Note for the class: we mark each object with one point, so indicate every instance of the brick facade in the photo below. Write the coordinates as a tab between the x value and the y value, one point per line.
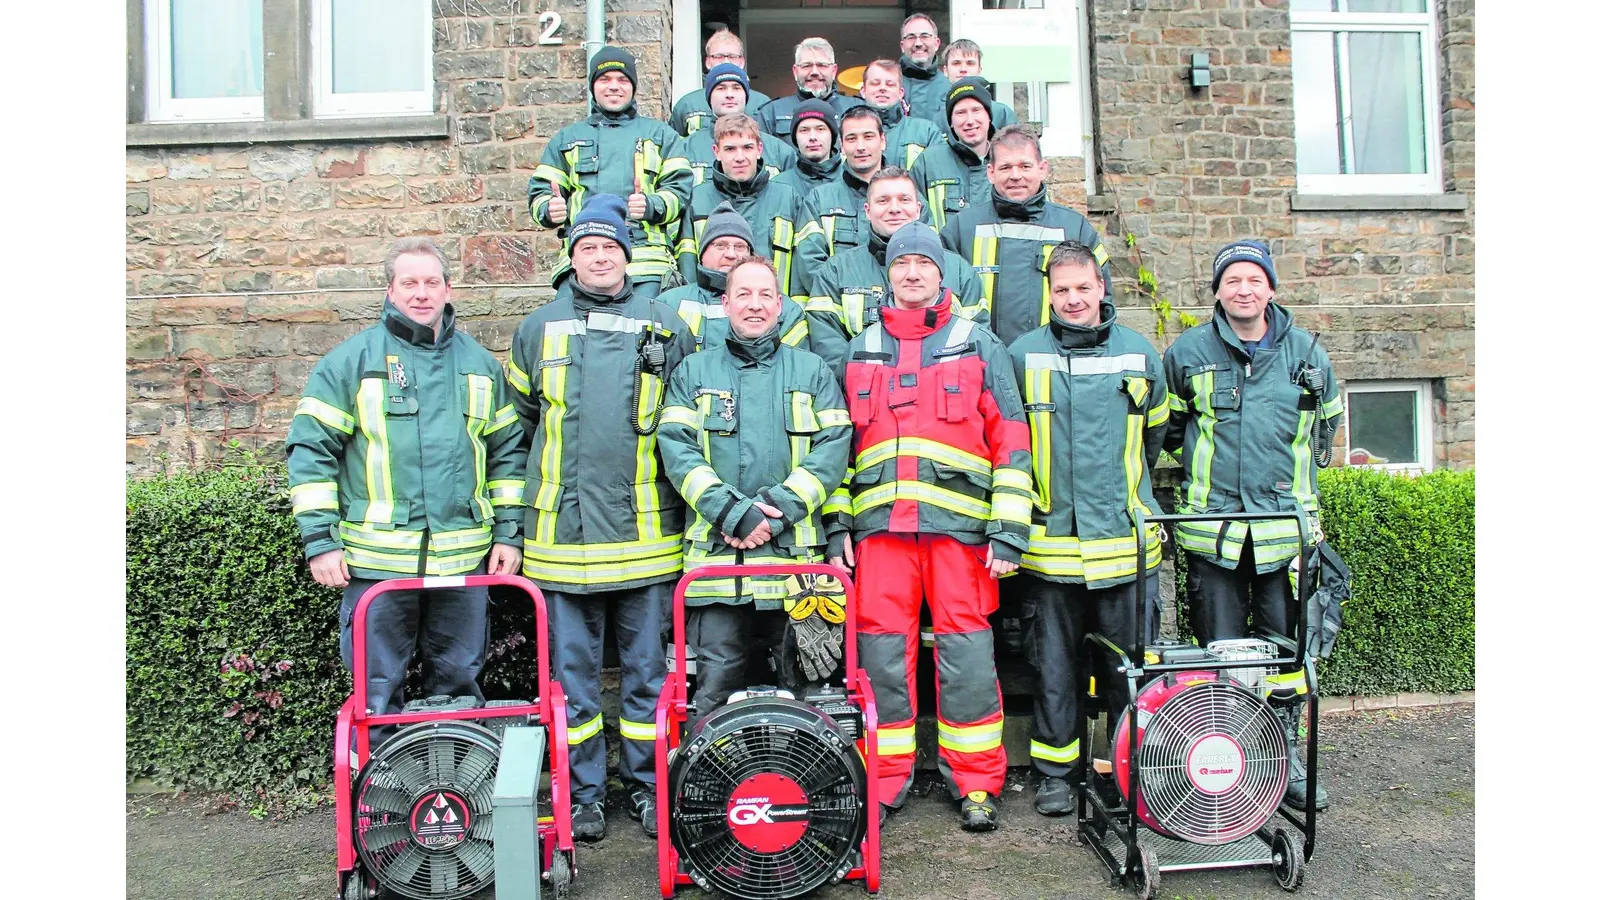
245	264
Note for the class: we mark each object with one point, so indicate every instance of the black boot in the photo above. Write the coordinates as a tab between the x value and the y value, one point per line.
1295	796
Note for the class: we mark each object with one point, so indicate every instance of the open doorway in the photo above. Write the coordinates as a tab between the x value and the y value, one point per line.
858	34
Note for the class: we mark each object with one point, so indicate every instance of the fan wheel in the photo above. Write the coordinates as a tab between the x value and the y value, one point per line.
560	875
768	800
1288	860
355	887
424	811
1147	877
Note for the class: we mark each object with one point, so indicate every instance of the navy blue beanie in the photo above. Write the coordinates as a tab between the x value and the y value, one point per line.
726	72
604	215
1243	251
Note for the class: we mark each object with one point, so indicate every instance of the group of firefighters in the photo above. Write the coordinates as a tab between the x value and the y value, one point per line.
892	353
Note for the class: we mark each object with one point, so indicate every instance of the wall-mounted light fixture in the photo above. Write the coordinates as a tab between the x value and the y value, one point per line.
1200	71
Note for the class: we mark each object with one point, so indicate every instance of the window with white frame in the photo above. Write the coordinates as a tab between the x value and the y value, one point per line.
1366	96
205	60
1389	425
372	57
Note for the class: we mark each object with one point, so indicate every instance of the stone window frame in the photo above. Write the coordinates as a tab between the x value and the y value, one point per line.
1422	412
1426	25
288	88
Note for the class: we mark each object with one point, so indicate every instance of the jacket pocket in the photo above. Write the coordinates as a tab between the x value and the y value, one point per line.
399	514
980	480
1225	390
654	496
957	388
719	412
1137	387
543	495
862	396
800	414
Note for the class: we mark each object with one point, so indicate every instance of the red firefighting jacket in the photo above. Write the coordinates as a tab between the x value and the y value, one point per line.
941	441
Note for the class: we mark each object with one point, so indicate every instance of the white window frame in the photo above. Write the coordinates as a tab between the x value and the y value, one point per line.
1426	26
325	104
161	105
1422	393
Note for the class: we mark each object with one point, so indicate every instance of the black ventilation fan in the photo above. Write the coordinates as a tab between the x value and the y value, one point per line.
768	800
424	811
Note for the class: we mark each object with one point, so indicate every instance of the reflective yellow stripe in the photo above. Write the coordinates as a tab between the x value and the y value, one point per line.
355	533
1157	415
923	448
480	393
1295	681
700	479
822	304
314	495
1300	455
971	738
838	502
547	173
1037	388
680	415
1044	291
1016	508
796	334
646	496
1176	403
1066	754
1014	479
606	552
897	741
1205	445
921	493
637	731
577	734
506	491
807	487
518	378
535	566
326	413
553	385
832	418
984	252
380	484
783	242
504	417
759	587
1100	254
1133	462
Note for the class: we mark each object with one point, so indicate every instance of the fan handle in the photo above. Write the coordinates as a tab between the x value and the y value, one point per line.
363	719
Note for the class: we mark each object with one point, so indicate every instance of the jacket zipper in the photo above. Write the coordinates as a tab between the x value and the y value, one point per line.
422	491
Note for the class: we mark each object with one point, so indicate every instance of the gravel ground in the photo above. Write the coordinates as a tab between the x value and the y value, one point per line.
1401	825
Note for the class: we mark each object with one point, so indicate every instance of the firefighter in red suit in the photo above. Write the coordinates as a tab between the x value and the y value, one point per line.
936	506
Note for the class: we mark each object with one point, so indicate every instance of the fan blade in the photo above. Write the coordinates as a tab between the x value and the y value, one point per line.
386	800
442	876
404	867
482	827
442	761
382	837
478	857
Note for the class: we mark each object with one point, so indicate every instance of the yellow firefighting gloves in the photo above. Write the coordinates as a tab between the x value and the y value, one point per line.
816	615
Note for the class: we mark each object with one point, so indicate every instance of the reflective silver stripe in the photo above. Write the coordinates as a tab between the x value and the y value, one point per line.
1021	231
1086	365
959	332
715	311
564	326
604	321
874	341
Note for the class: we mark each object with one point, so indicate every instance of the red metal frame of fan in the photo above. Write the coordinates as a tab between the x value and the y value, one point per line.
672	714
353	728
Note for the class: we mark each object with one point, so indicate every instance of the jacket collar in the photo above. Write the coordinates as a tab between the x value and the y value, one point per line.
914	70
855	184
755	350
1279	321
1077	337
711	279
910	324
399	325
598	116
819	171
732	188
877	245
584	300
1027	210
968	156
891	116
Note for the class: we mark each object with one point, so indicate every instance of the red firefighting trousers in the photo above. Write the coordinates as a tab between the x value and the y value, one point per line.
894	573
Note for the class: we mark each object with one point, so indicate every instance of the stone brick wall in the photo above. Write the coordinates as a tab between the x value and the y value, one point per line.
245	264
1185	171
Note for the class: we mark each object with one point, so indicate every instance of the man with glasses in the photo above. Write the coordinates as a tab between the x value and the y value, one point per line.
692	111
814	73
925	85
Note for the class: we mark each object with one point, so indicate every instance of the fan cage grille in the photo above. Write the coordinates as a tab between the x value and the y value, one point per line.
816	756
457	756
1170	735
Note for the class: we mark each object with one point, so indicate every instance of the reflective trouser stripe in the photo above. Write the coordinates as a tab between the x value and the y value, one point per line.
971	738
577	734
637	731
1067	754
897	741
1288	681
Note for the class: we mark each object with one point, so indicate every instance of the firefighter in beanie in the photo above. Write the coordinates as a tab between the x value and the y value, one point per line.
1096	398
726	89
936	510
755	436
1255	408
604	528
725	241
950	176
369	509
616	151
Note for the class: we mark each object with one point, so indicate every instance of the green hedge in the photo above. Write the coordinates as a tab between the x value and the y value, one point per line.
233	672
233	676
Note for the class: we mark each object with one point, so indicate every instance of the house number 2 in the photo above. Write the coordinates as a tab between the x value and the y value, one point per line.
550	21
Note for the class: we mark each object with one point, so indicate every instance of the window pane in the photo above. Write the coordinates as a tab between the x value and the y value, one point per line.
378	46
1386	104
216	48
1013	4
1316	103
1383	427
1381	6
1310	6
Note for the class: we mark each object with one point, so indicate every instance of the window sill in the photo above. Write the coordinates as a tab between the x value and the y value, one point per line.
188	134
1367	202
